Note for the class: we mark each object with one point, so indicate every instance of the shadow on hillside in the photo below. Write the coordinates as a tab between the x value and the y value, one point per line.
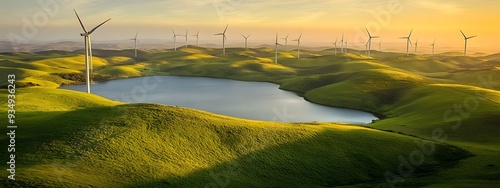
322	160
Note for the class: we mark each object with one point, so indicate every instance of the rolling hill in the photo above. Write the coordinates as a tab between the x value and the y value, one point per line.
156	145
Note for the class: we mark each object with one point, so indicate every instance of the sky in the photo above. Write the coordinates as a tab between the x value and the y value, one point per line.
321	22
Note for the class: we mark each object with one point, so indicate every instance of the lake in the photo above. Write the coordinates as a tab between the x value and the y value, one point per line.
249	100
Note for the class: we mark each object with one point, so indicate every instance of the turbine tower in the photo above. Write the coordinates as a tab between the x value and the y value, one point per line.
408	41
433	45
175	39
298	46
223	34
88	49
276	44
286	41
379	46
466	38
197	35
135	43
246	39
370	37
335	45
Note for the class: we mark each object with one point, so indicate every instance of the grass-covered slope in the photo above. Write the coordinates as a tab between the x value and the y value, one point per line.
80	140
415	95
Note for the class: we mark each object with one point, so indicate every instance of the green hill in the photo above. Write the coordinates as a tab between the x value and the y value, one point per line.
77	139
72	134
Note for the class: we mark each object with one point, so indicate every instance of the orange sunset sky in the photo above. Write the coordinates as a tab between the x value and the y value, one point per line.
322	22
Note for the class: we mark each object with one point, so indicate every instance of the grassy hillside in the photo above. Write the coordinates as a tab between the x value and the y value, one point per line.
81	140
414	95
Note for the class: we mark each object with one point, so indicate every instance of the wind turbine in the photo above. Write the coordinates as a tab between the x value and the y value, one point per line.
276	49
408	41
246	38
379	46
416	46
466	38
135	43
186	35
342	44
88	49
335	45
298	45
286	41
175	39
223	39
370	37
433	44
346	45
197	35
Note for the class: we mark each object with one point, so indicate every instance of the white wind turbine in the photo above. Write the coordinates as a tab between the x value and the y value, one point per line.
197	35
346	45
466	38
433	45
88	49
135	43
342	44
298	45
286	41
246	39
370	37
408	42
416	46
186	35
335	45
223	40
175	39
276	44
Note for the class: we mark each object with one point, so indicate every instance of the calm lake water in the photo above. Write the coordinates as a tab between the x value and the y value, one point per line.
249	100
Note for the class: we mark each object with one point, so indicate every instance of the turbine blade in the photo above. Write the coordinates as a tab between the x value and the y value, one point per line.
226	28
136	35
410	33
463	33
472	37
368	32
91	31
83	27
300	36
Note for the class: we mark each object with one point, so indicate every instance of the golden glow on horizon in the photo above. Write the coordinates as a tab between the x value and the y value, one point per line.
321	22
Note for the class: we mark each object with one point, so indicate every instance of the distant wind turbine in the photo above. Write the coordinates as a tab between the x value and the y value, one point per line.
286	41
335	45
175	39
433	45
223	34
298	46
135	43
342	44
379	46
197	35
246	39
370	37
408	42
276	49
466	38
345	45
186	35
416	46
88	49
